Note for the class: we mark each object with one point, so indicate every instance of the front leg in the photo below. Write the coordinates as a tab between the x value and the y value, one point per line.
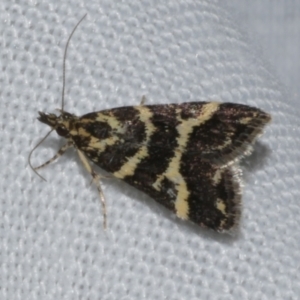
96	179
60	152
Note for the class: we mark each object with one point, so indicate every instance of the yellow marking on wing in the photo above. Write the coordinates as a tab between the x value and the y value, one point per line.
111	120
182	206
101	145
130	166
172	173
82	132
207	111
221	206
217	177
96	143
246	120
158	181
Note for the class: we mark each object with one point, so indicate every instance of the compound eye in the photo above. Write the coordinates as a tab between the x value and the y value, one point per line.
62	131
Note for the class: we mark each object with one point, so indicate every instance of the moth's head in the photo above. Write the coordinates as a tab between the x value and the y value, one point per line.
61	123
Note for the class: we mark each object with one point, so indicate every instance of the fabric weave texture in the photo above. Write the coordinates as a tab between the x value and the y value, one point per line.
53	245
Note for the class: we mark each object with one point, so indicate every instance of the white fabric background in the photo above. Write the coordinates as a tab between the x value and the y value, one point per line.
52	243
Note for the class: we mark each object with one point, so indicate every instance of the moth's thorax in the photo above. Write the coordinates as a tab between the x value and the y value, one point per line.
62	124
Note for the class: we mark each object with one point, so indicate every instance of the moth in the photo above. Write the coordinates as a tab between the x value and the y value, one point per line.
185	156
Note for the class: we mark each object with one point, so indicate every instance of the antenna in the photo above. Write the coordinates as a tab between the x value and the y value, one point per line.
64	64
62	97
29	156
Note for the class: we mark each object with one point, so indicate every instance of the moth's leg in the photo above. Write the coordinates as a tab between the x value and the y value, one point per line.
96	178
103	177
143	100
60	152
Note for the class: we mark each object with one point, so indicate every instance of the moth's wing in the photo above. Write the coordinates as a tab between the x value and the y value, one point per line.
198	191
121	139
218	132
225	131
177	154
